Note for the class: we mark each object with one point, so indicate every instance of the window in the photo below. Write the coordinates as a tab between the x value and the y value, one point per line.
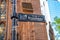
3	10
26	0
2	16
1	31
27	7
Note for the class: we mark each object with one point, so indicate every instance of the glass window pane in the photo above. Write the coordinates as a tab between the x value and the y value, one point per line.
3	10
27	7
2	16
1	31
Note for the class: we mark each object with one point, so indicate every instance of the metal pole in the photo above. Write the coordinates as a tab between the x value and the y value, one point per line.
14	21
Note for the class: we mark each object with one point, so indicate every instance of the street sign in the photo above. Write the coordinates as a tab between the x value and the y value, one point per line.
36	18
31	17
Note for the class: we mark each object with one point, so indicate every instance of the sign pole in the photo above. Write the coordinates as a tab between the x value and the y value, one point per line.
14	20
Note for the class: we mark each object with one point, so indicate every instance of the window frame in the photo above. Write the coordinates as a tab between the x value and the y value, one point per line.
27	7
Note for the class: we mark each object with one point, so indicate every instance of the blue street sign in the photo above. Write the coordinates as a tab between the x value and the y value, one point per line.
31	17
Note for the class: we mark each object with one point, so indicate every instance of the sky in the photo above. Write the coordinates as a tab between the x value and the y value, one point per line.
54	9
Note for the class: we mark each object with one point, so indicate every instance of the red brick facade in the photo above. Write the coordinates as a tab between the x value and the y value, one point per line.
26	30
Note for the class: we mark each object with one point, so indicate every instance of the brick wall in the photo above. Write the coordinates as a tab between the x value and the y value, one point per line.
26	30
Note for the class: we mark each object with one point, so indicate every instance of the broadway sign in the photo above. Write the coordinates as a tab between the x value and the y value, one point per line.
31	17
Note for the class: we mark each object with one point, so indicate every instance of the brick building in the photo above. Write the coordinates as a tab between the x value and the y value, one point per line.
25	30
46	13
51	33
